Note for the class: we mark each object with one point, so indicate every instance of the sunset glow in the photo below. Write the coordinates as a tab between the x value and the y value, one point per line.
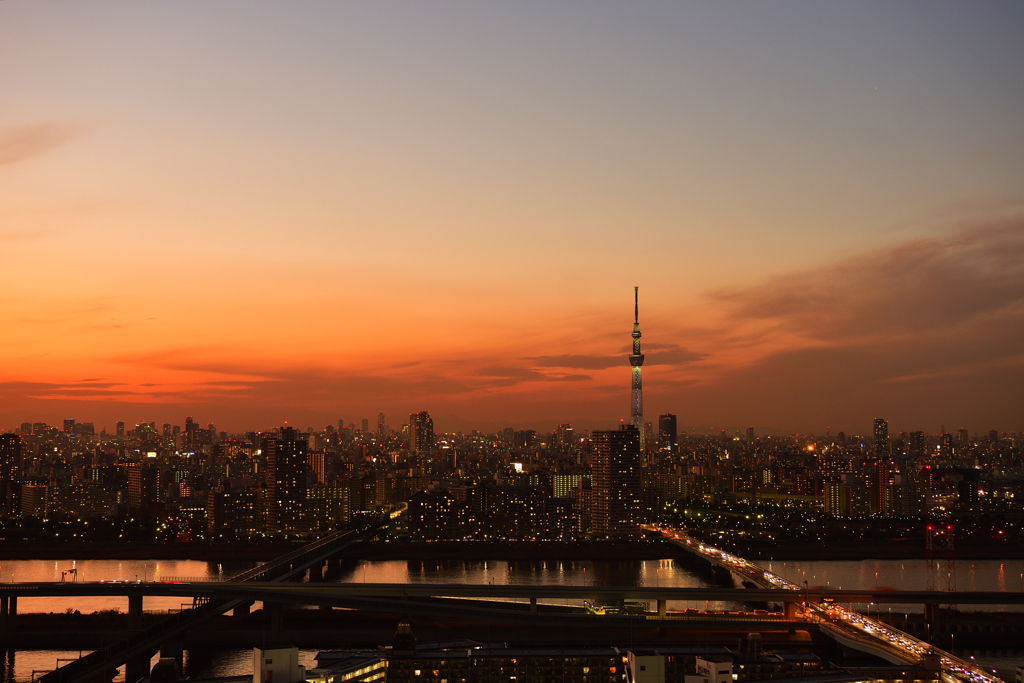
252	213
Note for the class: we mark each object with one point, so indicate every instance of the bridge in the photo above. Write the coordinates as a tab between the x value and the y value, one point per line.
168	634
847	626
327	594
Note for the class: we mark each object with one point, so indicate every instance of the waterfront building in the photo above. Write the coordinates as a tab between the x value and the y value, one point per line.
143	486
286	483
10	466
617	483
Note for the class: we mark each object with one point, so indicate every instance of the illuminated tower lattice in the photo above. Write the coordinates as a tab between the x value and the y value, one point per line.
636	359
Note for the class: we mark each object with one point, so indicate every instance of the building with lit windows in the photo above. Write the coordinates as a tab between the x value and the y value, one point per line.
668	432
421	432
881	438
10	467
617	482
286	483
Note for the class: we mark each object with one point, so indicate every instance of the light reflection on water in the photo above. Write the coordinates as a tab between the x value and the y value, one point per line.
909	574
965	575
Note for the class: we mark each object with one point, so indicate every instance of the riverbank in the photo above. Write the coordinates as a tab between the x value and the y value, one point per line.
655	549
244	551
646	549
897	549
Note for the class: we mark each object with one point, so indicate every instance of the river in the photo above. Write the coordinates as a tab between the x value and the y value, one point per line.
18	666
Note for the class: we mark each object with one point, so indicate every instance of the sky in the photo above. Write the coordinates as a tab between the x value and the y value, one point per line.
257	212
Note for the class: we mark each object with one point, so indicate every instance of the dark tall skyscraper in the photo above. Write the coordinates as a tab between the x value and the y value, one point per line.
287	463
10	465
380	426
120	430
668	432
421	432
916	446
636	360
69	425
366	425
881	439
617	484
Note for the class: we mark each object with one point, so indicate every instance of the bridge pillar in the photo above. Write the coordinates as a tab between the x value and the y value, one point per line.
137	668
135	615
931	620
662	607
275	613
242	609
12	612
4	624
175	647
790	609
533	604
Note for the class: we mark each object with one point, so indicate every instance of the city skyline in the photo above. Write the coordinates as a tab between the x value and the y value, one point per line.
263	216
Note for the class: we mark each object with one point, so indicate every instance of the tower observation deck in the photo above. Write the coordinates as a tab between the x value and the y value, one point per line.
636	360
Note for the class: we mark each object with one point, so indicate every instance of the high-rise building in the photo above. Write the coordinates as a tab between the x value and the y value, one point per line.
380	426
964	440
617	483
318	463
750	433
143	486
916	445
69	425
120	430
647	438
366	425
668	432
881	438
421	432
286	482
636	360
10	466
880	481
565	437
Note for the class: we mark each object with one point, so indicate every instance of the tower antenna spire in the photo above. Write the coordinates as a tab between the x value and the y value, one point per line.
636	360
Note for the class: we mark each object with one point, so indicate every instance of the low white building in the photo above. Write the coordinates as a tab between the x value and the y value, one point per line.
277	665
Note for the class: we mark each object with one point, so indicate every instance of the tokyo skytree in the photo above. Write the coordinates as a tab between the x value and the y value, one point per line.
636	359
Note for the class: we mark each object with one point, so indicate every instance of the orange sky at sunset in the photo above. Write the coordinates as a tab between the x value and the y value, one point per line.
252	213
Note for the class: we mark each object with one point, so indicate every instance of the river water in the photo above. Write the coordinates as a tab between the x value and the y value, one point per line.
910	574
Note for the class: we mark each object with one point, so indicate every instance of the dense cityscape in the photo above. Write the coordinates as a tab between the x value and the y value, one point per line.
193	483
316	363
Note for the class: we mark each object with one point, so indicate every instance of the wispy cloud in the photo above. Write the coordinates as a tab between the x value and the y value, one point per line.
20	143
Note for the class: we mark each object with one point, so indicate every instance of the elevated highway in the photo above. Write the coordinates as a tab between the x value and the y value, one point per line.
847	626
325	593
135	652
